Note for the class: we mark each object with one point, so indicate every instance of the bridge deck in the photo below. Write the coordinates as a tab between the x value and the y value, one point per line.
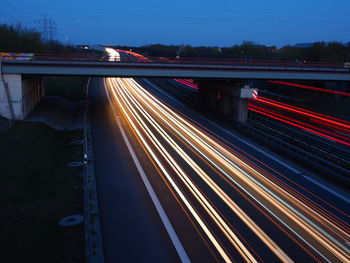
177	70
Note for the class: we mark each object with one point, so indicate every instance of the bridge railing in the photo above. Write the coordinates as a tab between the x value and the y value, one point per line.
252	62
220	64
9	56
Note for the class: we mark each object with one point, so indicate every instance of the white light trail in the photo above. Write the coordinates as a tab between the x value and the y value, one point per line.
159	129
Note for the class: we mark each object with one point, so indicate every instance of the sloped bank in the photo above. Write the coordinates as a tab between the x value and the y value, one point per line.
37	190
37	187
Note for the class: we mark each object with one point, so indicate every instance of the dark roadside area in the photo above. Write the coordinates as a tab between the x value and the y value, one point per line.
37	189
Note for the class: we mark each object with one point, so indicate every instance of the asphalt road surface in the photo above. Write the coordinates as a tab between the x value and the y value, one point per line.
226	199
131	228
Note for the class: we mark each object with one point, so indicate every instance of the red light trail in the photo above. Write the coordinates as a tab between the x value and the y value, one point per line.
188	82
323	125
329	121
347	94
300	124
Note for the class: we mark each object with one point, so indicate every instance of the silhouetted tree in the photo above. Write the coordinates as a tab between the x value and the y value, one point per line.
16	38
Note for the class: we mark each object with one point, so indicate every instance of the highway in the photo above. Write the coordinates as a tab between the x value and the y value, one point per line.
131	229
226	199
325	126
306	135
197	168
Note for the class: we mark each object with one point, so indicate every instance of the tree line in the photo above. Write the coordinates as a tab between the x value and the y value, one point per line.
19	39
318	52
16	38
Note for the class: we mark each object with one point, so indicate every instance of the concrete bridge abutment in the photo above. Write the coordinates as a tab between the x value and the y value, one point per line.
227	98
19	94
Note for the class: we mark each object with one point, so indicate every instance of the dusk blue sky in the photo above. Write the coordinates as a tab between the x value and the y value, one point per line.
194	22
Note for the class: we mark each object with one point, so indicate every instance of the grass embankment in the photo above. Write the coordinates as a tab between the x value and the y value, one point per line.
37	189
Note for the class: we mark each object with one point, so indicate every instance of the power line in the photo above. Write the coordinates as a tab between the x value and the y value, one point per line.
47	27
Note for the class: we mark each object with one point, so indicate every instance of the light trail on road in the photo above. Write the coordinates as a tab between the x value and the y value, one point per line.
322	125
187	82
138	57
341	93
113	55
330	121
204	173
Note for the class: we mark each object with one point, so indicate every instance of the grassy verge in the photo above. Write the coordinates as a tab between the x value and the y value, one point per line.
37	190
69	88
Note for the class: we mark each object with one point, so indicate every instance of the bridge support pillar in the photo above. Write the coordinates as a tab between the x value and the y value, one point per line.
207	94
227	98
19	94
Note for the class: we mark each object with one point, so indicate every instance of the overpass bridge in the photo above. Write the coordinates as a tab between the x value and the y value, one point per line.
202	69
21	86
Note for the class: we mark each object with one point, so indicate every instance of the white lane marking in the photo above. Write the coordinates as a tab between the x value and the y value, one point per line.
236	136
169	228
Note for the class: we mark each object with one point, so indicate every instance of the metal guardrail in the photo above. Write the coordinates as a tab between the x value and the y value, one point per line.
302	154
324	167
330	149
